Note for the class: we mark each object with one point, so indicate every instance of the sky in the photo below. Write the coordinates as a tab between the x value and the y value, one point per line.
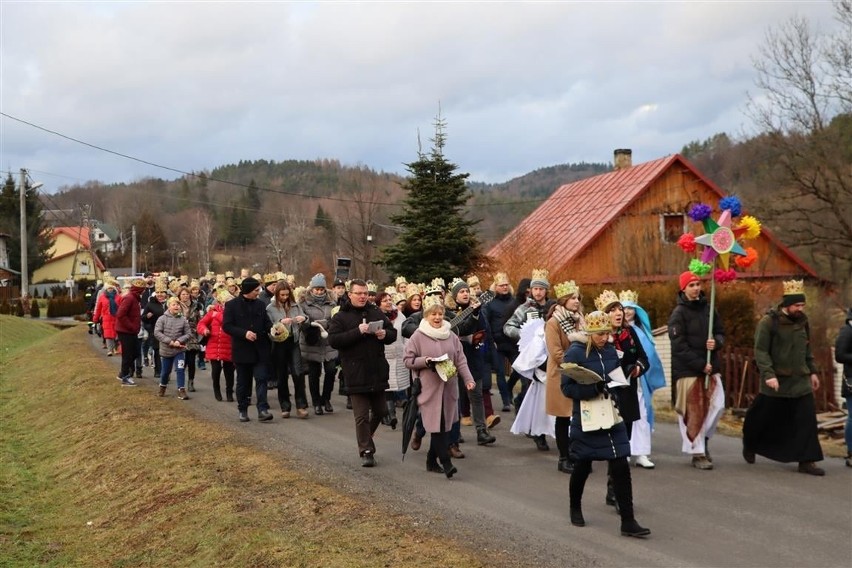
520	85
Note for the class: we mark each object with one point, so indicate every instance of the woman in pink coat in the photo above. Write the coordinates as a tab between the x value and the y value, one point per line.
105	310
438	401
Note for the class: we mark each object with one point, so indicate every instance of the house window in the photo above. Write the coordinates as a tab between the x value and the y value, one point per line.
672	226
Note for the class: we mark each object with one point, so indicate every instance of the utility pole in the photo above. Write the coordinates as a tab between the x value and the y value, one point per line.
133	250
25	277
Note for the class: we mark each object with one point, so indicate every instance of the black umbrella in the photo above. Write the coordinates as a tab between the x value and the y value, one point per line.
409	414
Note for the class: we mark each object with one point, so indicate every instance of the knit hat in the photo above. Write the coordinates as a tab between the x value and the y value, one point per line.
318	281
249	285
457	285
539	278
794	293
686	278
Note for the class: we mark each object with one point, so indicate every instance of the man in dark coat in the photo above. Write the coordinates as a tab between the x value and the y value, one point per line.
781	423
698	408
361	349
246	321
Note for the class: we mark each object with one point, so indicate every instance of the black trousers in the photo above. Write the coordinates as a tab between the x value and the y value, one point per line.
129	349
619	469
287	361
216	369
369	408
315	368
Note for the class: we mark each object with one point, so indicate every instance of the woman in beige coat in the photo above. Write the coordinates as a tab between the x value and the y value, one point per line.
564	325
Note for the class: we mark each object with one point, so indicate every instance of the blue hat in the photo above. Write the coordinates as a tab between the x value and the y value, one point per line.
318	281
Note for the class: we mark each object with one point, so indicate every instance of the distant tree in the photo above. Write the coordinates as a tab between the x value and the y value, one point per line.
253	197
438	238
39	239
151	242
239	227
805	109
323	220
203	192
185	195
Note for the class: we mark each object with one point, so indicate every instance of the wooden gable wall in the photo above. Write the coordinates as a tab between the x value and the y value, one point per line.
632	247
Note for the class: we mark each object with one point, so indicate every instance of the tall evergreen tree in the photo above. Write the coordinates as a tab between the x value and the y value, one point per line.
203	193
253	198
438	238
38	237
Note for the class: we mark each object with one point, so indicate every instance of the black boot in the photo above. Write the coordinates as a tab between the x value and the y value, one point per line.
191	385
483	438
432	462
577	517
541	443
392	421
623	487
565	465
449	469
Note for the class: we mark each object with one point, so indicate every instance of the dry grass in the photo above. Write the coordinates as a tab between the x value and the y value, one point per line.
96	475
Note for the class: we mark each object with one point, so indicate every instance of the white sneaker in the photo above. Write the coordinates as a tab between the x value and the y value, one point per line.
643	461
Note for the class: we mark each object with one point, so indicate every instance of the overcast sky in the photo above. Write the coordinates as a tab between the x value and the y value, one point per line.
521	85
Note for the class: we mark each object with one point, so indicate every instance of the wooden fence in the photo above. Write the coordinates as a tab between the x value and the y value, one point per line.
741	378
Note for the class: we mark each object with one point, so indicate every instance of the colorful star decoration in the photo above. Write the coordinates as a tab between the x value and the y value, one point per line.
720	239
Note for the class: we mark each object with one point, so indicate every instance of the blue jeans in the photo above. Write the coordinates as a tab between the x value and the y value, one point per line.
245	372
179	364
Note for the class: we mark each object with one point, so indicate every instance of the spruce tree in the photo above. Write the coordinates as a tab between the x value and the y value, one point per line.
39	239
438	238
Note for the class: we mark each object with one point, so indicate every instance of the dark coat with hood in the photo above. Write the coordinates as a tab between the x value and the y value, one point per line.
599	444
362	355
843	354
495	313
242	315
782	350
689	324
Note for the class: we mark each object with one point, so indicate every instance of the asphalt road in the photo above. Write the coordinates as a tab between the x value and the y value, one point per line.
510	498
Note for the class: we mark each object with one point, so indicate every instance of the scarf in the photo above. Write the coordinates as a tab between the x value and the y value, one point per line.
567	320
113	305
437	334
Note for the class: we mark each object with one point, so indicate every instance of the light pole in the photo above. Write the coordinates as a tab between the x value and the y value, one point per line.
25	277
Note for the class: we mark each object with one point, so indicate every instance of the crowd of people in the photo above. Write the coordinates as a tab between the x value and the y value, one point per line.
584	380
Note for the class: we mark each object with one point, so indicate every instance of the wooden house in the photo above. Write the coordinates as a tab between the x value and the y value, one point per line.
624	226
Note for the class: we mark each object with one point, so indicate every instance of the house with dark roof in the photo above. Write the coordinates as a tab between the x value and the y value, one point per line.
71	257
624	226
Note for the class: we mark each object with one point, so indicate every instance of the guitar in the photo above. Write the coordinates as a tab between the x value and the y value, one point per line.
486	297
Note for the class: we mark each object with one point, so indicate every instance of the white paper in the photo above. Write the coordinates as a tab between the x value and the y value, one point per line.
375	326
443	357
618	378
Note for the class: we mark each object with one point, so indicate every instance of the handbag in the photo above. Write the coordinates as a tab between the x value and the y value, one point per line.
598	413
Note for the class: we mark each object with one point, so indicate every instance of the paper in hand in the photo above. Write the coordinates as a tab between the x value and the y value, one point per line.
618	378
375	326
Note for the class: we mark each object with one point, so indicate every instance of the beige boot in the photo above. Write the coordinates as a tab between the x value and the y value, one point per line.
182	394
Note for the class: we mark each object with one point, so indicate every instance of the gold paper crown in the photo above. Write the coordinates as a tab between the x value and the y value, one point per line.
501	278
229	274
372	287
597	321
628	296
348	285
457	281
280	276
161	285
256	276
138	283
298	293
194	284
567	288
397	297
174	286
390	290
210	274
431	301
223	296
269	278
437	283
794	287
473	280
220	278
540	274
606	298
184	278
400	280
412	290
290	279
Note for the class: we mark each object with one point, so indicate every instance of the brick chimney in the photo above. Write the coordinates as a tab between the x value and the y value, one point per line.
623	158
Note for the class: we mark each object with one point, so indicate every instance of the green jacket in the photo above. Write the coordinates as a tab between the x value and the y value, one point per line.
789	359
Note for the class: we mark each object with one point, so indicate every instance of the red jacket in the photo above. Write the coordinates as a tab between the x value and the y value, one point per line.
219	344
128	318
102	315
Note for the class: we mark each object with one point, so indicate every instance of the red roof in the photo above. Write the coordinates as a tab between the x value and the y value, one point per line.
74	232
577	213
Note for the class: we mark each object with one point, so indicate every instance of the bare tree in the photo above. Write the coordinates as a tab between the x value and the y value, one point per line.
204	238
358	228
804	109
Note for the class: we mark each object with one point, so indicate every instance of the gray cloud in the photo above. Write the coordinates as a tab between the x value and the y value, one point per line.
521	85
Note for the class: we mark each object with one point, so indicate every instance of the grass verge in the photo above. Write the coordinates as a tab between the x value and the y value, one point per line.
95	475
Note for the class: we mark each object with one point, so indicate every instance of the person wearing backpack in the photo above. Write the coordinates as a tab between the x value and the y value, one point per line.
781	423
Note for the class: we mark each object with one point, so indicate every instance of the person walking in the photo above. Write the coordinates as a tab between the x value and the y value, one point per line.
246	321
172	331
843	355
697	392
128	322
781	422
359	333
435	355
321	358
218	350
286	357
152	311
106	307
598	441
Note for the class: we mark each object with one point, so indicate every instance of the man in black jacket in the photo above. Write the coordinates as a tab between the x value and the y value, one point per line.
361	349
246	321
